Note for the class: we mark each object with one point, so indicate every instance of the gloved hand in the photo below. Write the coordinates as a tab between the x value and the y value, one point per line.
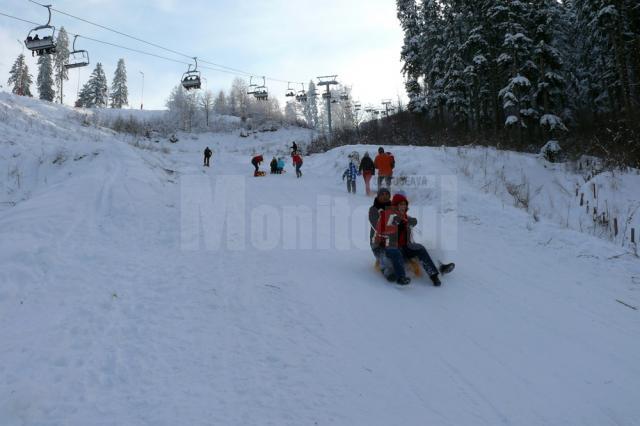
412	221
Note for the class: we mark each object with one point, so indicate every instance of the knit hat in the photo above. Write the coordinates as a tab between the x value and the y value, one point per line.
399	198
383	191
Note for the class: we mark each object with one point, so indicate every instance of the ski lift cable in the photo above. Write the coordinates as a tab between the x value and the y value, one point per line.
123	47
152	44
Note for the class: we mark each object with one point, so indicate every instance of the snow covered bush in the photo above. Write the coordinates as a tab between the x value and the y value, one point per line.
551	151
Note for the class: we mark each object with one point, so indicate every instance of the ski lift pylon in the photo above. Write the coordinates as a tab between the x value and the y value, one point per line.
46	44
191	78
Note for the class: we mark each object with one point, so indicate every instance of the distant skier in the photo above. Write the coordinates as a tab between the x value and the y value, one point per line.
294	148
351	173
256	161
207	156
368	170
297	163
384	163
393	232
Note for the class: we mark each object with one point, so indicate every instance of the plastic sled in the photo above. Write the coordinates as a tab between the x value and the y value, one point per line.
412	265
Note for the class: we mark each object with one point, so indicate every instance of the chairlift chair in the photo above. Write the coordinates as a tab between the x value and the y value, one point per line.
77	58
261	92
344	96
326	95
290	92
251	90
301	96
46	44
191	78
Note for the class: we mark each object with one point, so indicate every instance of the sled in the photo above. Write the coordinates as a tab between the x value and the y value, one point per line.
261	173
412	265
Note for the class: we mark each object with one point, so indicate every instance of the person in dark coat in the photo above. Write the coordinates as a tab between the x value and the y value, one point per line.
207	156
274	166
368	170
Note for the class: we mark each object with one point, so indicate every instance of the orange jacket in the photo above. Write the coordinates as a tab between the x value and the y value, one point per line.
384	164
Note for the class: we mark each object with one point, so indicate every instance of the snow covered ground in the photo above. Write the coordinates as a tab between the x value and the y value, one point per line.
112	314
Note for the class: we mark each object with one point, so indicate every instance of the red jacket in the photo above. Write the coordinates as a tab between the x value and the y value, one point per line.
257	159
297	160
393	228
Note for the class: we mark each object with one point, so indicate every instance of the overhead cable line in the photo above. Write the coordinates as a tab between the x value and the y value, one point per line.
142	52
236	70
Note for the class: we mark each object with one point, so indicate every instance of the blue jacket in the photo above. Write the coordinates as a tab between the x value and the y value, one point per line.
351	173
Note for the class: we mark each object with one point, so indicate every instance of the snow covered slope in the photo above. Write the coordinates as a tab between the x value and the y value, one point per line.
107	316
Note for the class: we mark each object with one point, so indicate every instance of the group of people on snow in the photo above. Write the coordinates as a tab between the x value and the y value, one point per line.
391	239
277	164
391	226
384	163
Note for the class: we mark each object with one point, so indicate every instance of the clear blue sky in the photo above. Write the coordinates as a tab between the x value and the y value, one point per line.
359	40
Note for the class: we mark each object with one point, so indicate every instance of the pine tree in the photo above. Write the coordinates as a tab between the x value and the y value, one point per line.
220	104
515	60
290	112
119	93
94	93
433	61
19	77
548	80
310	109
410	54
45	78
61	58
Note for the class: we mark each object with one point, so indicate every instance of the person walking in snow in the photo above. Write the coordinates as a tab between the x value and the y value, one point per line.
351	173
297	163
393	232
281	165
384	163
207	155
274	166
367	169
256	161
294	148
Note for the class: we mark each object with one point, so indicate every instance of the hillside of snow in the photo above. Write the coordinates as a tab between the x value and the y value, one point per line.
139	288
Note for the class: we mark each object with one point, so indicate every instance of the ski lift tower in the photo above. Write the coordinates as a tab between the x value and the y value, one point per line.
328	81
386	103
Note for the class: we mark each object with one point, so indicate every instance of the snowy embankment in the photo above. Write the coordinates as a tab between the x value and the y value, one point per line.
572	195
107	317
